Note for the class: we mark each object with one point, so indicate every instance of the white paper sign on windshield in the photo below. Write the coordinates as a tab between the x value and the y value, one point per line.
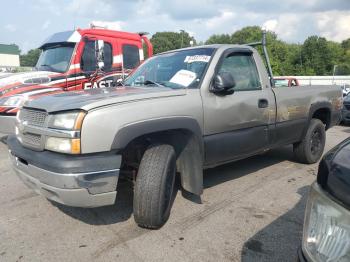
197	58
183	77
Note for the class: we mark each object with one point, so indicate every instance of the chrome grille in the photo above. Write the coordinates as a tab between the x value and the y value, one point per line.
31	140
30	118
33	117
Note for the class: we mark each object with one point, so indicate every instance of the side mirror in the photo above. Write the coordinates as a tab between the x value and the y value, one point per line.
99	49
223	84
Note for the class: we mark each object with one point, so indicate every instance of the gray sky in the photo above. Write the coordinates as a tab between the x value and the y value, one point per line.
28	23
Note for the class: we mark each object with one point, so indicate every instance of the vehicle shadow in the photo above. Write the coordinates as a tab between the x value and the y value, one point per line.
123	208
121	211
234	170
280	240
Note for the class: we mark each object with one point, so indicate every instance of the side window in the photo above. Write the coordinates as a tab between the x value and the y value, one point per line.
131	56
108	57
88	59
243	69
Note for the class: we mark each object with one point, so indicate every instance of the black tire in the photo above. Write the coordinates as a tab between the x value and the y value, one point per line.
310	149
155	186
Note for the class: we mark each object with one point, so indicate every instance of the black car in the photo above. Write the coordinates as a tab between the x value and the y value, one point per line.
326	235
346	110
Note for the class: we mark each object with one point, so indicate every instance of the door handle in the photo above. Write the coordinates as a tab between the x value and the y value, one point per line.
263	103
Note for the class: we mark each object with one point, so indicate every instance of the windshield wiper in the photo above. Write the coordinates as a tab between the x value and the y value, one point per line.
150	82
49	67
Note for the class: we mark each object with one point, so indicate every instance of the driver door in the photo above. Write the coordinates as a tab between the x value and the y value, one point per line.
236	125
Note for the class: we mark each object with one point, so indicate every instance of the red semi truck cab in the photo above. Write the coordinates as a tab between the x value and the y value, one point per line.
70	61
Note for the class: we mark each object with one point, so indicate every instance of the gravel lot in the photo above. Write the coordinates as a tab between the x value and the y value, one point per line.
251	210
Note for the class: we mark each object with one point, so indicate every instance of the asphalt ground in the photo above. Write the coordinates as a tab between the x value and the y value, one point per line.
251	210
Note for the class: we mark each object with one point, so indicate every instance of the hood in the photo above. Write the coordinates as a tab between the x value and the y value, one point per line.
90	99
21	83
3	75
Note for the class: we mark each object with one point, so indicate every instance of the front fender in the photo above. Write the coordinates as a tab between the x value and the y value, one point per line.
131	131
184	133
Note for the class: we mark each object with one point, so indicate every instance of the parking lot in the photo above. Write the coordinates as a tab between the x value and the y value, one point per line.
251	210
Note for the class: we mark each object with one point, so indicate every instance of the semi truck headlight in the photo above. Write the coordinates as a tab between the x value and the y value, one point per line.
68	121
63	145
326	228
14	101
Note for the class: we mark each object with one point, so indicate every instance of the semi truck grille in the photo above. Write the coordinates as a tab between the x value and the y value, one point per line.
31	140
33	117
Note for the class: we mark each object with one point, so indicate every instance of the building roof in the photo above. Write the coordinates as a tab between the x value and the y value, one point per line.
9	49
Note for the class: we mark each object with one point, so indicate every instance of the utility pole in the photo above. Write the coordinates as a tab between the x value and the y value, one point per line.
334	68
182	37
301	59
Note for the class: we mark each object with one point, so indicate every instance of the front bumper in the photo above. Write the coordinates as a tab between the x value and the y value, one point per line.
80	181
7	124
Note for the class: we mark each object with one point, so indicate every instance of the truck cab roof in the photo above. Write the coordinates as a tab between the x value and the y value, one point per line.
213	46
74	36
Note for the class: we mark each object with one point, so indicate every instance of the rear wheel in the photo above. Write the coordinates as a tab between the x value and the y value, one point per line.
310	149
155	186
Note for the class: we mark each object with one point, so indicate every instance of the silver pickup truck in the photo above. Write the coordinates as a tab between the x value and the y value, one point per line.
180	112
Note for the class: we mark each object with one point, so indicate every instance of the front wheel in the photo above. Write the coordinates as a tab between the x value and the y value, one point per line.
310	149
154	186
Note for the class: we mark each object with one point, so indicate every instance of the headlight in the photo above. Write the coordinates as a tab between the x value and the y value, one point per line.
14	101
63	145
69	121
326	228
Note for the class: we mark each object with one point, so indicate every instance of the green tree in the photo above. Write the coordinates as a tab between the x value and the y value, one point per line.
344	63
251	34
164	41
342	69
281	54
30	58
318	56
346	44
219	39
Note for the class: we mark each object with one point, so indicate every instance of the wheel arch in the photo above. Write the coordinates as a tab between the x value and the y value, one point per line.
183	133
321	111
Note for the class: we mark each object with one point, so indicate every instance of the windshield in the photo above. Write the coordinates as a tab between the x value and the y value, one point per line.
55	58
178	69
